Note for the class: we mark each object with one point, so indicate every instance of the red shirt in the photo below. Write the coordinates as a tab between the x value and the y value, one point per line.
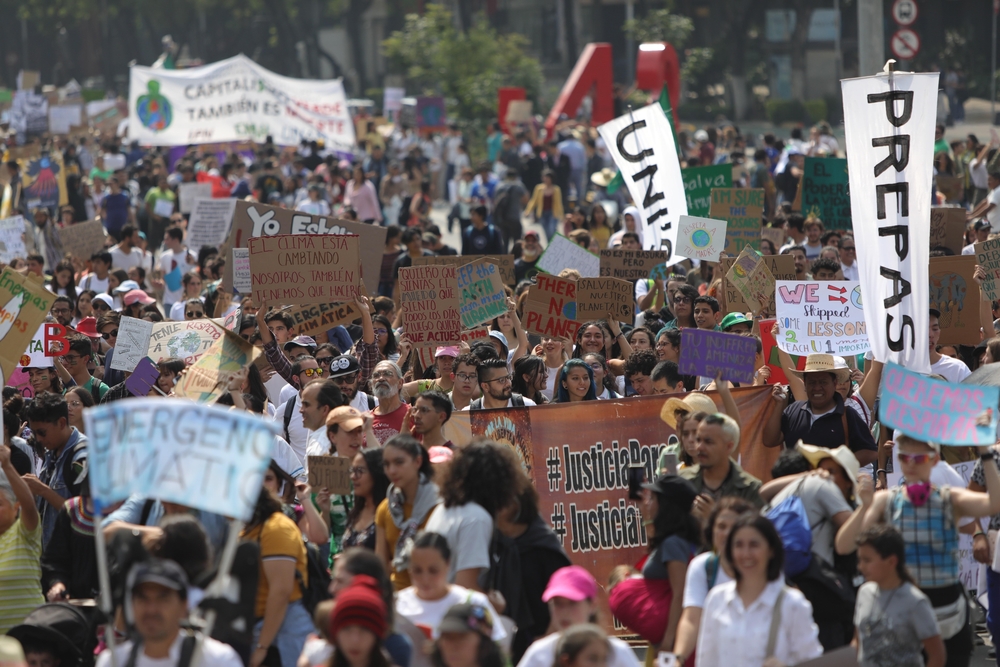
386	426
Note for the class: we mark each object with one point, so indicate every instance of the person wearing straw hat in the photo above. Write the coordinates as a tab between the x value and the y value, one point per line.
822	419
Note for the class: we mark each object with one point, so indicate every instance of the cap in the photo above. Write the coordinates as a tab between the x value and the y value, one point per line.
573	583
693	402
300	341
448	351
701	135
345	416
733	319
88	327
500	337
466	617
160	571
106	299
439	454
936	313
675	489
430	238
137	296
126	286
345	364
533	235
982	224
360	604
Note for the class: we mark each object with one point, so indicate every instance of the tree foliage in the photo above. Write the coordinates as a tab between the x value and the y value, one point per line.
660	25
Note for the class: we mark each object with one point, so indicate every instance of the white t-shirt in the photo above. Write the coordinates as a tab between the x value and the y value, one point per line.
360	401
91	281
298	434
317	444
969	249
550	382
427	614
952	370
696	580
542	653
510	403
978	174
469	530
170	261
213	653
994	215
177	310
121	260
850	272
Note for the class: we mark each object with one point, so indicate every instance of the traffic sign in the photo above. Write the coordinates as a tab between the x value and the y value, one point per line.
905	44
904	12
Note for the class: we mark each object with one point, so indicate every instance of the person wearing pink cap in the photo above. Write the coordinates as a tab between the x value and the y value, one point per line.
134	301
571	596
444	361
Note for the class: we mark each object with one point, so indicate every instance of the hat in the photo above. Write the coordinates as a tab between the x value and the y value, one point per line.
58	625
345	364
573	583
701	135
106	299
733	319
534	234
842	455
88	327
982	224
430	238
466	617
826	363
603	177
936	313
137	296
160	571
500	337
693	402
301	341
11	653
126	286
346	416
360	604
447	351
675	489
439	454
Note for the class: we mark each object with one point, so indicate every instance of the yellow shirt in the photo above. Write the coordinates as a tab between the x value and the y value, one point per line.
281	540
383	520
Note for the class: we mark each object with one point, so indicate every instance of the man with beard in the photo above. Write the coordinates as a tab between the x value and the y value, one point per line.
531	250
387	380
345	372
495	382
62	310
798	252
429	413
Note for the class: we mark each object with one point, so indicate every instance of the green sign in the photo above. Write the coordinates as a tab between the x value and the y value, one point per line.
825	193
698	184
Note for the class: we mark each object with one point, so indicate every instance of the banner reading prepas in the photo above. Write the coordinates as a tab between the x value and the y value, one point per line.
642	145
206	457
821	317
889	122
235	100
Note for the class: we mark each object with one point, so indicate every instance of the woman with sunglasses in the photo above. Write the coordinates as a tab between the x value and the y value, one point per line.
194	309
191	285
683	307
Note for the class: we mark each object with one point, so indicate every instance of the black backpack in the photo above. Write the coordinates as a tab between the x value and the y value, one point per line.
289	411
403	218
319	579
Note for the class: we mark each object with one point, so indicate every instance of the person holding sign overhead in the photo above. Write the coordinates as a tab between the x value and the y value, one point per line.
20	546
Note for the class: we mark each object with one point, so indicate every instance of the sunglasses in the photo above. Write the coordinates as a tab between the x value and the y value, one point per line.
100	305
847	247
195	313
73	358
682	299
311	372
324	361
111	334
916	459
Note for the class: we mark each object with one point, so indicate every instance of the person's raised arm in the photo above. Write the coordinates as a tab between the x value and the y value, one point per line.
522	338
868	391
795	383
649	297
772	435
728	403
363	304
985	305
29	512
63	374
616	331
971	503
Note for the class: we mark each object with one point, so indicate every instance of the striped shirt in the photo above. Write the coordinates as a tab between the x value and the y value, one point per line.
20	574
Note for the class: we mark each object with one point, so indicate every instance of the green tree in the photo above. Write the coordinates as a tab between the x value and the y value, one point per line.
660	25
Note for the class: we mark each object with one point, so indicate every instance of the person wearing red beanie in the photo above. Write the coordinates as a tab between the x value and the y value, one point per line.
358	624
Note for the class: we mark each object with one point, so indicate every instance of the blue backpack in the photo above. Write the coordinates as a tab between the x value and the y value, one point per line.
792	523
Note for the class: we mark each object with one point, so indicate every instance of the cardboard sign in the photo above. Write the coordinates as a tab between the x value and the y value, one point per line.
431	114
550	308
189	193
775	235
329	472
519	111
24	304
988	257
742	209
208	378
825	193
206	457
707	353
143	378
631	264
938	411
305	268
254	220
702	239
83	239
183	340
699	183
49	341
322	317
482	294
752	279
952	187
952	290
470	336
242	282
782	267
504	262
948	228
209	223
562	253
597	298
430	302
12	239
821	317
132	343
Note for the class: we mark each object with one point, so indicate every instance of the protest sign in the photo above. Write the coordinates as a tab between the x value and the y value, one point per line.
938	411
242	282
143	378
132	343
519	111
322	317
631	264
164	208
207	379
254	220
504	262
550	307
742	209
598	298
707	353
642	145
770	351
782	267
392	99
49	341
821	317
12	239
431	114
892	198
561	253
430	303
752	279
305	268
184	340
83	239
470	336
775	235
699	183
206	457
235	100
209	223
952	187
189	193
952	290
482	294
701	238
62	118
988	257
948	228
24	304
824	192
330	473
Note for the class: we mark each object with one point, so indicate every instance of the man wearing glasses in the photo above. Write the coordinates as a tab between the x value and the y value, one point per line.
72	368
387	381
495	381
849	259
62	310
465	375
289	415
107	326
345	371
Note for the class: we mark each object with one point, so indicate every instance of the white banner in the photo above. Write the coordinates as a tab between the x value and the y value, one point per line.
889	122
642	146
820	317
235	100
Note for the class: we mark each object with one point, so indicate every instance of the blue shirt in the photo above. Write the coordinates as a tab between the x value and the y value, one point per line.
215	525
116	207
52	476
485	241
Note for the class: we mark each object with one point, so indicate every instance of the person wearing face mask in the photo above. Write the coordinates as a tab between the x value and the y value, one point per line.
531	251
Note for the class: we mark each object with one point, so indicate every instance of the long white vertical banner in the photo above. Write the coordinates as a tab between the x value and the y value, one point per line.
889	120
642	146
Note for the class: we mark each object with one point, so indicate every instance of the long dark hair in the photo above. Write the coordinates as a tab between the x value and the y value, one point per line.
255	384
483	472
762	525
391	347
562	394
609	380
488	655
380	483
412	447
71	286
267	504
531	366
672	519
887	541
605	329
76	301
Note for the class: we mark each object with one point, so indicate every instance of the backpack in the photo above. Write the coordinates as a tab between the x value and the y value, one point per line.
68	475
319	579
792	523
289	411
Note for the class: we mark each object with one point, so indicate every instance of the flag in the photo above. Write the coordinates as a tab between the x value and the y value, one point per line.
618	181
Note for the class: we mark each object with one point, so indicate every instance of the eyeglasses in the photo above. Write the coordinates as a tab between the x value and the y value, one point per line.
503	379
73	358
916	459
346	379
57	311
310	372
466	377
195	313
100	305
846	248
596	367
381	332
682	299
324	361
112	334
74	404
357	471
383	375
